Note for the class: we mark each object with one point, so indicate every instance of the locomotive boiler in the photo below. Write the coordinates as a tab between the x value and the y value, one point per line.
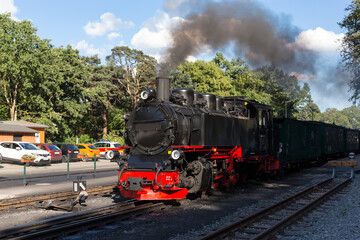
183	142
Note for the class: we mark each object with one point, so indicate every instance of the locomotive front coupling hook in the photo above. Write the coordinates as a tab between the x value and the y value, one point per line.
159	169
123	184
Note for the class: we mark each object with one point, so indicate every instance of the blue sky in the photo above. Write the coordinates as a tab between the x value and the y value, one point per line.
95	27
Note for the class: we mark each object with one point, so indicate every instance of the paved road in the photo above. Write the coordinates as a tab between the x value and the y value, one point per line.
50	179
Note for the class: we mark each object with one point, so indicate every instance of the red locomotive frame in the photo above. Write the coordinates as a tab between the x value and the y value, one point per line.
162	185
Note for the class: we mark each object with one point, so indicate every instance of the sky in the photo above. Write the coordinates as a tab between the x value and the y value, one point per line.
95	27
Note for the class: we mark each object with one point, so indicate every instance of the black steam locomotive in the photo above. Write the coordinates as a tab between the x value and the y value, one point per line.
187	142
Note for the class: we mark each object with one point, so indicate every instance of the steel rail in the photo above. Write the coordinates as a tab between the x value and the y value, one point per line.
266	231
31	200
74	222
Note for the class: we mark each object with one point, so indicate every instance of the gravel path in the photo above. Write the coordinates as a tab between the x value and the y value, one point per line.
341	221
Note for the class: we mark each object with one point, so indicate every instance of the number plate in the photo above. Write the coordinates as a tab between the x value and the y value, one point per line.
76	151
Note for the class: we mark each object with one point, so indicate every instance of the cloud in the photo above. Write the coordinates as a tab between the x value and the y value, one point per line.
303	77
9	7
89	48
112	36
155	37
173	5
319	40
108	23
191	59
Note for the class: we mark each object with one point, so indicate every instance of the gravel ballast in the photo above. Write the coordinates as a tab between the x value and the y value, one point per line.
194	218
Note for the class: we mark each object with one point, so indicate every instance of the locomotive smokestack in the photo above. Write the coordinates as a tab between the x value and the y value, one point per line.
163	88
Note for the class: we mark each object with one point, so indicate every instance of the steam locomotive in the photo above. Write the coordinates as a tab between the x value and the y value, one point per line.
187	142
184	142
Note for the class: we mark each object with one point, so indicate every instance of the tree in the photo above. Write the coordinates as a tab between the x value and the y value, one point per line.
309	112
350	51
19	48
102	93
207	77
134	70
353	115
57	93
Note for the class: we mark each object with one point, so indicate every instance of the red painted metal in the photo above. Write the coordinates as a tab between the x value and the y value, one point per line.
169	179
151	191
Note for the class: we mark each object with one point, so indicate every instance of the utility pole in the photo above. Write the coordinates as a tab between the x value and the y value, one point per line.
286	102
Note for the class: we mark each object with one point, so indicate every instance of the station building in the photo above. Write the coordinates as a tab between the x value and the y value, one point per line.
22	131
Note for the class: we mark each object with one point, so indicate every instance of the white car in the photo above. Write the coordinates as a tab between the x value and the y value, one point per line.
107	148
12	152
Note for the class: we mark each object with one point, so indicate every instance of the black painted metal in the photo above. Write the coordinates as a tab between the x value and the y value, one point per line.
162	88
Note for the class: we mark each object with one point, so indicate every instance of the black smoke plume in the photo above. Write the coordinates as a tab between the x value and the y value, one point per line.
255	32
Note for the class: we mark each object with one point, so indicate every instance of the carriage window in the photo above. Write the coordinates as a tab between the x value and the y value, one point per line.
260	117
265	118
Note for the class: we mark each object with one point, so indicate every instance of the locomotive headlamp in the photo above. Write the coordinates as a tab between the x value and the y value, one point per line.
176	154
148	93
144	95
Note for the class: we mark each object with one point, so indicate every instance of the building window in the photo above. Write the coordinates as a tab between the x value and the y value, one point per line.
17	138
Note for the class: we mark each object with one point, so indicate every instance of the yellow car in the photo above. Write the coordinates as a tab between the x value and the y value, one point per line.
87	152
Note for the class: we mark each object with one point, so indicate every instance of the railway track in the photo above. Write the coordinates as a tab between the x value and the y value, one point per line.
265	223
60	196
81	221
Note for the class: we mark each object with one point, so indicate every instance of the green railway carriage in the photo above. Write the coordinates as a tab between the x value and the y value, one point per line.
352	140
333	139
301	139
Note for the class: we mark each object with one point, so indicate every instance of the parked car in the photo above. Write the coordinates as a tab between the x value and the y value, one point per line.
12	152
55	152
106	148
68	149
88	151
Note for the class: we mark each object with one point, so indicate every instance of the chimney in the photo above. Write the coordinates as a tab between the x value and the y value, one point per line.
163	88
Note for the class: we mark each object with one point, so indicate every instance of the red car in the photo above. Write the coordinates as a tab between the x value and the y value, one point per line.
55	152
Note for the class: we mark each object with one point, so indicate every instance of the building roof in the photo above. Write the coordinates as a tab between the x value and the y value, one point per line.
4	127
23	123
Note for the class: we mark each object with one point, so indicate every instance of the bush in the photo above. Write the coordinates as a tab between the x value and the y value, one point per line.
115	137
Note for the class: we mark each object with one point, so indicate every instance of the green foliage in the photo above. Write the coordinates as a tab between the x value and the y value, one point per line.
350	51
4	112
85	138
20	49
116	122
134	70
309	112
79	96
59	94
348	117
180	80
115	137
206	77
28	157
